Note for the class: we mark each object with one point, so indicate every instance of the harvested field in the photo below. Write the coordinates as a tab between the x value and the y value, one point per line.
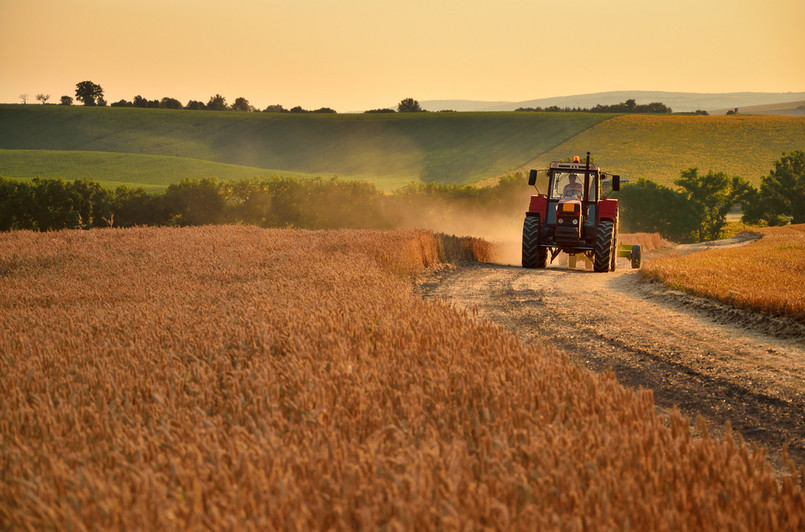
239	378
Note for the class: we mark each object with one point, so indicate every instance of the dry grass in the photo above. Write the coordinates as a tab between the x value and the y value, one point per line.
238	378
766	275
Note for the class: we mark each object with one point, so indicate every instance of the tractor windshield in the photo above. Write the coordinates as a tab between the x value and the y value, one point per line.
570	185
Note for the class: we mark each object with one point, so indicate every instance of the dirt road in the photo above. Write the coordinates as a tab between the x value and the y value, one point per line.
706	358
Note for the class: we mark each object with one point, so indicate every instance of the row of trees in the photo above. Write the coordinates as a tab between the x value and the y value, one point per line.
52	204
629	106
697	210
694	211
91	94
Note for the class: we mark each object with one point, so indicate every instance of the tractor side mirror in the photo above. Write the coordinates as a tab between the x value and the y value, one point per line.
616	182
532	178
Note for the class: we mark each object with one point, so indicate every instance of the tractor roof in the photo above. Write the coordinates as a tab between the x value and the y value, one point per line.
578	167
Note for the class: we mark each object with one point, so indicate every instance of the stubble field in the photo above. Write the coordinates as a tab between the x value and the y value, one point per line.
236	378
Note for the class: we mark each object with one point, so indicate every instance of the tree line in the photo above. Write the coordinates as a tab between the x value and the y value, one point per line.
695	211
90	94
318	203
628	107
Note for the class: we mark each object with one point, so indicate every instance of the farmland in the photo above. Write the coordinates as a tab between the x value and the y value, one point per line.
764	275
659	147
389	150
235	377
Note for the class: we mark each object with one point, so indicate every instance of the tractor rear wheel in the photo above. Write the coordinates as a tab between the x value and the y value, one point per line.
534	256
603	246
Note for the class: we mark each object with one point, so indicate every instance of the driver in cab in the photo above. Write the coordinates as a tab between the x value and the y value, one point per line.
573	189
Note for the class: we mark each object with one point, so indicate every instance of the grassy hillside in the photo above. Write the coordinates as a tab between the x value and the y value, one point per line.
659	147
389	149
152	172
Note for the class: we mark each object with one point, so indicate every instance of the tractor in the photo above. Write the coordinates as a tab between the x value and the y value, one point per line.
576	217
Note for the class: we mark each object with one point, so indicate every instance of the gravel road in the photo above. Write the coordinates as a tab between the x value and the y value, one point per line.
706	358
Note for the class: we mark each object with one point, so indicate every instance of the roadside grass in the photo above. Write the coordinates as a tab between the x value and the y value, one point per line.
658	147
446	148
765	275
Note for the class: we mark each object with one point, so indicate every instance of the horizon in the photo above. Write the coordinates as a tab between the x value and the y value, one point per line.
357	55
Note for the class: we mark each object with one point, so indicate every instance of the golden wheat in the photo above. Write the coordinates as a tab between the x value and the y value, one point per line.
766	275
239	378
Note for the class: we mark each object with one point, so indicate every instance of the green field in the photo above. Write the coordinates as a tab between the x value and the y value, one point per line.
388	149
153	147
152	172
659	147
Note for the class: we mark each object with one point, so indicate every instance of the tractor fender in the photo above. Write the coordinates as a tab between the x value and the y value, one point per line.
538	206
608	210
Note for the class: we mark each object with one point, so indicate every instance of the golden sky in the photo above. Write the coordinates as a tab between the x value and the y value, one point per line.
353	55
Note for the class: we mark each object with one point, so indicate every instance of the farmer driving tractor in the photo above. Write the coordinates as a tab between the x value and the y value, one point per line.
573	189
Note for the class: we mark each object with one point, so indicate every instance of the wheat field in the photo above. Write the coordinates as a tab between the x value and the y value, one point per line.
765	275
235	378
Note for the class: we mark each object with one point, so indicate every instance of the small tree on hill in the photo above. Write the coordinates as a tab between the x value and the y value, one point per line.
88	93
43	98
409	105
217	103
242	104
66	100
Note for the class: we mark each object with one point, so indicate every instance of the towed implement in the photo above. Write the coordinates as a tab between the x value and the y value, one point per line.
576	217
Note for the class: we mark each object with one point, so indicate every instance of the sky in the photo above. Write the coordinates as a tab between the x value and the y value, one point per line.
353	55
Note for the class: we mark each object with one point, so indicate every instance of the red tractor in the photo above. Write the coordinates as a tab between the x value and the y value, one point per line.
575	217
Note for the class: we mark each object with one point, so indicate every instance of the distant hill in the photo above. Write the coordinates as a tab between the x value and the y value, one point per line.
788	109
389	150
680	102
155	147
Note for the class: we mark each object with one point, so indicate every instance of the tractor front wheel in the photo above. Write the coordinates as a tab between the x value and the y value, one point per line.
603	246
534	256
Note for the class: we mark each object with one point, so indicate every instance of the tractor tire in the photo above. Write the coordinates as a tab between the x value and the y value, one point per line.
636	256
614	259
603	246
534	256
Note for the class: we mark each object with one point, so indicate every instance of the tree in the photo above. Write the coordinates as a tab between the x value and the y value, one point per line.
297	109
66	100
242	104
217	103
43	98
170	103
88	93
409	105
194	105
275	109
781	196
711	196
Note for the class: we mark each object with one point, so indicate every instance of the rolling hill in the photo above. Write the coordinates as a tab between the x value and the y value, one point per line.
154	148
387	149
659	147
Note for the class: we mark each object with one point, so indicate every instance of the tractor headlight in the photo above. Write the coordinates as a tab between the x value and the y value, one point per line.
575	221
560	220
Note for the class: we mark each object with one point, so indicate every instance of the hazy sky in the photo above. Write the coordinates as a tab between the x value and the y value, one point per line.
359	54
